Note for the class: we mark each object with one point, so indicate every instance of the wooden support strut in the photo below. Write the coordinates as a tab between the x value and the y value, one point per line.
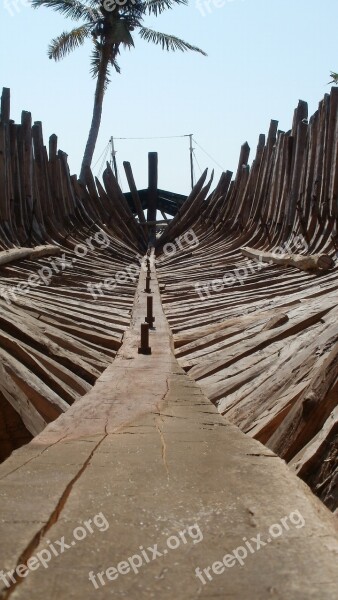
315	262
10	256
144	348
152	195
150	318
147	288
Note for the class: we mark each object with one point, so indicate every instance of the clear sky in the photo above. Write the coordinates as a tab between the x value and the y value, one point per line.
263	55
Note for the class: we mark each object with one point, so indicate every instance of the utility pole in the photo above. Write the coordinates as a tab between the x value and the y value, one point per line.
113	157
191	161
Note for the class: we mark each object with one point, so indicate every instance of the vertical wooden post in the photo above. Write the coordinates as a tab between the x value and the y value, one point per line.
5	106
191	150
4	155
147	288
150	316
144	348
152	195
243	159
113	156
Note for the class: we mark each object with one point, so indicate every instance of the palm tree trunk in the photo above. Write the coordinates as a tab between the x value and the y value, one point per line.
97	113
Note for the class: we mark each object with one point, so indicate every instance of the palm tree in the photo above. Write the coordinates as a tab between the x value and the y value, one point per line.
110	24
334	77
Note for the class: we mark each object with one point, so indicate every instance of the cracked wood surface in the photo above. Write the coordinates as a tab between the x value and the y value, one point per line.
149	450
254	347
145	445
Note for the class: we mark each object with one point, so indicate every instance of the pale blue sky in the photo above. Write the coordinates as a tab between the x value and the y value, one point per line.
263	55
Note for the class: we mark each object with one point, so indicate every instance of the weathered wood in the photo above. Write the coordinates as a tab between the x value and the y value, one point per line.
9	256
5	106
316	262
152	194
254	337
308	412
276	321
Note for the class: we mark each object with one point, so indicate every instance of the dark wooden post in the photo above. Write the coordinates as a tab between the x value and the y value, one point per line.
144	348
150	315
5	105
152	195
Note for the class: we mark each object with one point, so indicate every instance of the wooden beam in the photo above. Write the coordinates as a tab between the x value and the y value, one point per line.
314	262
10	256
152	193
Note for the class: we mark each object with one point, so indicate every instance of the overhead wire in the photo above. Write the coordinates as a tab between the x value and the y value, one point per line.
103	161
104	151
195	157
205	152
162	137
167	137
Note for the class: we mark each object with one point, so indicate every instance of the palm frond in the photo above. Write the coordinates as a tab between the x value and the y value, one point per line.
334	78
156	7
96	64
120	34
68	41
168	42
132	14
74	9
107	80
95	61
115	64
